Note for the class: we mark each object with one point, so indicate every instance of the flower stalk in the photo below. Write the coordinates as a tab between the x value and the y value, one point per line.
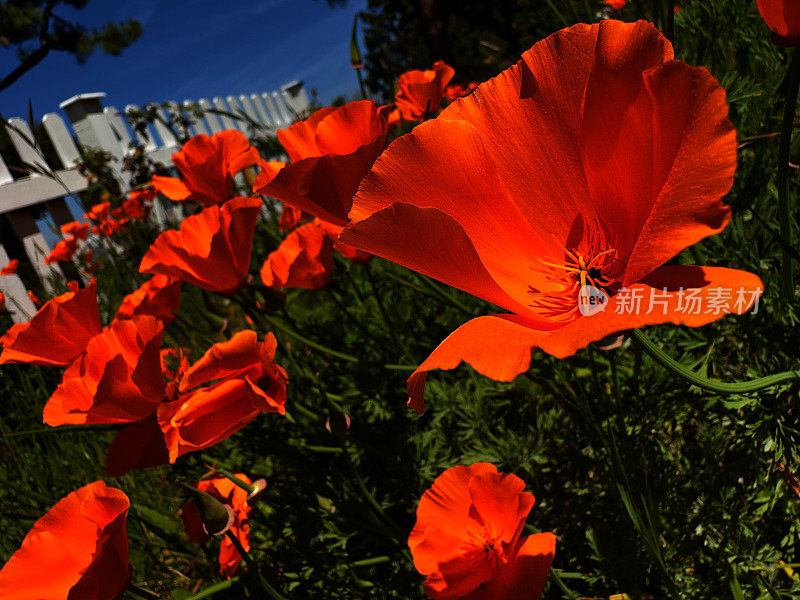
784	148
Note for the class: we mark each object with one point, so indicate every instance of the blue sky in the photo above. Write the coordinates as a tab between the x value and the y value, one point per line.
202	48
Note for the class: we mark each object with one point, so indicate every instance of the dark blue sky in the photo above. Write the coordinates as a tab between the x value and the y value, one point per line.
202	48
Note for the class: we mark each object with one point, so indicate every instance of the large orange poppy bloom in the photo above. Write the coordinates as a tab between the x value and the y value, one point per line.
159	296
207	165
116	380
783	18
331	152
303	260
536	184
78	550
227	492
467	537
419	93
210	250
58	332
247	383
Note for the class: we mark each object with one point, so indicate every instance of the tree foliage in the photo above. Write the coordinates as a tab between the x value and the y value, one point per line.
34	29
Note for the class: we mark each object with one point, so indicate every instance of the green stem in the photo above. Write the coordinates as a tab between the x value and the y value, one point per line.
236	481
712	385
368	562
213	589
784	213
251	564
308	342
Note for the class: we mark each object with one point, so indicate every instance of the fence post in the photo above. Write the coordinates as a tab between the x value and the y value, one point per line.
62	140
296	97
85	112
17	301
33	241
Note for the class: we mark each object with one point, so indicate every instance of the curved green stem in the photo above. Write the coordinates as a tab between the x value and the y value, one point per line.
712	385
251	564
784	213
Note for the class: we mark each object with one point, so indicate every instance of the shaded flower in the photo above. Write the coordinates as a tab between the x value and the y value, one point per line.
3	302
207	165
76	229
58	333
159	296
227	492
529	188
109	226
616	4
117	379
63	251
303	260
10	268
139	445
139	203
34	298
244	382
467	537
78	550
783	18
212	248
331	152
419	93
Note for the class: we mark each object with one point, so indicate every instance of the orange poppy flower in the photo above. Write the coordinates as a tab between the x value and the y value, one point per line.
76	229
419	93
331	152
63	251
99	211
303	260
248	382
230	494
79	549
58	333
616	4
531	187
3	302
467	537
159	296
207	165
783	18
116	380
212	248
10	268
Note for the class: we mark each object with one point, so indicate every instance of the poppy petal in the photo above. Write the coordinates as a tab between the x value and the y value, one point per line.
172	187
505	342
57	333
524	576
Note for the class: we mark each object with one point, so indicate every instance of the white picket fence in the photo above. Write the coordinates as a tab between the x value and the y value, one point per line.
103	127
